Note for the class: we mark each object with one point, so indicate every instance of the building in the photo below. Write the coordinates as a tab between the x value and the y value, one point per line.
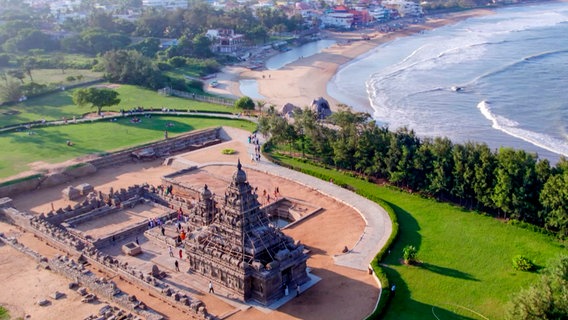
404	8
167	4
235	245
225	40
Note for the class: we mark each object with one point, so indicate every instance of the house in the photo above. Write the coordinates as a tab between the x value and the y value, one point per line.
225	40
404	8
167	4
339	17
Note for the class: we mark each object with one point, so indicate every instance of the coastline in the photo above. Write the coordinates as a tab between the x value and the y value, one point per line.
306	79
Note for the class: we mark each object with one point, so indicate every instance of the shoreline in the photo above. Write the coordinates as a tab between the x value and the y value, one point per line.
306	79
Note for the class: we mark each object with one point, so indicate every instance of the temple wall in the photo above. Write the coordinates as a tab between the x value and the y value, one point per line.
70	244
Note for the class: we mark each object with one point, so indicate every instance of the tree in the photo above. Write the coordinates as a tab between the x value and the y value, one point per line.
201	46
554	199
129	66
10	91
97	98
244	103
547	299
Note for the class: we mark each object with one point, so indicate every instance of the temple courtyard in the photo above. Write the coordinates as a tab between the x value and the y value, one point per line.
325	227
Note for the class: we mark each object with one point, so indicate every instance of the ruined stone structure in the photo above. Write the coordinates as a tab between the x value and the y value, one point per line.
236	247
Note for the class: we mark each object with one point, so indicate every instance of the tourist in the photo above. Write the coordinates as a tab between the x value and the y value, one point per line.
166	134
297	290
138	243
163	231
180	253
177	265
171	251
211	287
286	290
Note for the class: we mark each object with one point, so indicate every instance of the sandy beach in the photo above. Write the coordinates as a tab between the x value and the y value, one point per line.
306	79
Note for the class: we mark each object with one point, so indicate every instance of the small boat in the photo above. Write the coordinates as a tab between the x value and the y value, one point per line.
214	84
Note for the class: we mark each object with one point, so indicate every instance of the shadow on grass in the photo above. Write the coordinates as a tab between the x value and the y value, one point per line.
157	124
54	141
447	271
408	234
402	306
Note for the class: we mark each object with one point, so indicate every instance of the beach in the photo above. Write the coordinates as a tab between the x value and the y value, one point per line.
305	79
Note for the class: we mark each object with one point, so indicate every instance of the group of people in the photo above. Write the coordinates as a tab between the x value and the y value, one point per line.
253	139
266	195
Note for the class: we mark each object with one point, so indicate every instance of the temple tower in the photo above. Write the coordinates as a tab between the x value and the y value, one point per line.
240	250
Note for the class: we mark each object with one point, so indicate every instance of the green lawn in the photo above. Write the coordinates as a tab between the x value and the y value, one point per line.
60	104
48	144
466	270
46	76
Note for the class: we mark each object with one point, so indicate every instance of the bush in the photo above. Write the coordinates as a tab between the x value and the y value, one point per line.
177	62
245	103
409	254
523	263
228	151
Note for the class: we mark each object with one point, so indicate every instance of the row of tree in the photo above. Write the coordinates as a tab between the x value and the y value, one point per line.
506	183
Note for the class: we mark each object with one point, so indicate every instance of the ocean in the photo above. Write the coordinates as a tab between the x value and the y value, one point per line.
498	79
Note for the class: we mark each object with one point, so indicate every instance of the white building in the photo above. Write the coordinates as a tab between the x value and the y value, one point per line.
168	4
404	8
225	40
380	13
342	20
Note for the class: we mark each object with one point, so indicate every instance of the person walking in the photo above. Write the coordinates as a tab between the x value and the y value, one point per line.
180	253
211	287
297	290
177	265
170	250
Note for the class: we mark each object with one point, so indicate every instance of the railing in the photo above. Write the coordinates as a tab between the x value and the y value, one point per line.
187	95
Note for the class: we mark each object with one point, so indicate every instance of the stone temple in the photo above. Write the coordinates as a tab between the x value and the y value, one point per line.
235	246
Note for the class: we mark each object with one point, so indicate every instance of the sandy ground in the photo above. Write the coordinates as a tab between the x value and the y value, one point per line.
343	293
25	284
306	79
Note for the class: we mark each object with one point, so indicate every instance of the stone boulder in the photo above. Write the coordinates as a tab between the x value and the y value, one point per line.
70	193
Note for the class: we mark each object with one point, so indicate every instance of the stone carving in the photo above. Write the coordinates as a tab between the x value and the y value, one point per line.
239	249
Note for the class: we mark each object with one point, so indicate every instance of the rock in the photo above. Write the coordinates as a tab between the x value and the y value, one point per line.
104	309
56	295
43	302
82	291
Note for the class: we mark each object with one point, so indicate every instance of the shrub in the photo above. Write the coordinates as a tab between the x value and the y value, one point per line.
228	151
409	254
70	78
523	263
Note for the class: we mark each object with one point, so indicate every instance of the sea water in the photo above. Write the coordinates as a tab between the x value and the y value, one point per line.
280	60
500	79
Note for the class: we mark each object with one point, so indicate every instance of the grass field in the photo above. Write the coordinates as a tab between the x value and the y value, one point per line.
60	104
46	76
48	144
466	270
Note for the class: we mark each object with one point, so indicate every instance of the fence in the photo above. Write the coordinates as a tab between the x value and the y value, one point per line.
167	91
